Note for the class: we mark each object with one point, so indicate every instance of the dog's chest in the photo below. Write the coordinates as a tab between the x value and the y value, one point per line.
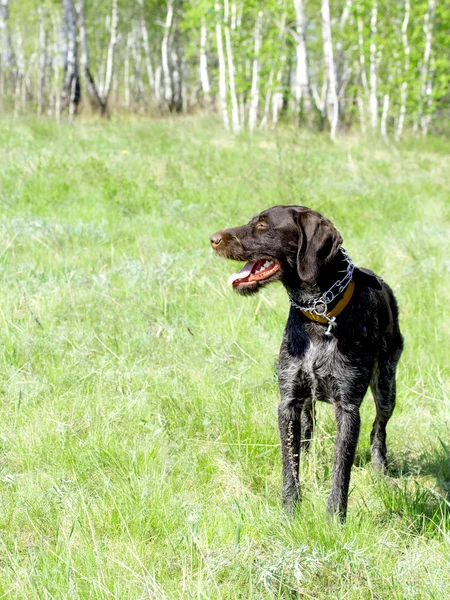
323	366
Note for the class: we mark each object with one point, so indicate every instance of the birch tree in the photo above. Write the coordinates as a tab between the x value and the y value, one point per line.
332	101
301	74
165	55
425	86
91	87
371	65
71	81
234	103
146	44
222	70
106	88
404	88
6	52
373	102
254	96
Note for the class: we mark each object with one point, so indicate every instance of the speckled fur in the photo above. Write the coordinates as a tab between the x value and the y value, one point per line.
364	349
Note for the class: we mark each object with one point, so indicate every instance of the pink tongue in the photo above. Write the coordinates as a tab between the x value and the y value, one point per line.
242	274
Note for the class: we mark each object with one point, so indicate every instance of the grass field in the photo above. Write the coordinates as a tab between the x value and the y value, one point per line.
138	441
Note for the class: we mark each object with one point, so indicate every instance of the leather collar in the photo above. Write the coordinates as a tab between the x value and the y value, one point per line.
343	302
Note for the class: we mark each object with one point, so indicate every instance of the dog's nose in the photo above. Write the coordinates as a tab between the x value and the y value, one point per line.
216	239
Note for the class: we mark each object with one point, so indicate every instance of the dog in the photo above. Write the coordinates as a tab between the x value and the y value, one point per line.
342	336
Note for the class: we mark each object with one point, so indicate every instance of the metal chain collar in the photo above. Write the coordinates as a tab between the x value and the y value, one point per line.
319	306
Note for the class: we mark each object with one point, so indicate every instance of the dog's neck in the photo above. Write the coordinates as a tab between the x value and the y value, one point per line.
303	293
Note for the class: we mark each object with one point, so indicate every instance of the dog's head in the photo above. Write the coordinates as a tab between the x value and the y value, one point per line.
287	243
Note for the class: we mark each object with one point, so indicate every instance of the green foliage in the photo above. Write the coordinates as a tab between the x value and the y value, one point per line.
139	449
278	46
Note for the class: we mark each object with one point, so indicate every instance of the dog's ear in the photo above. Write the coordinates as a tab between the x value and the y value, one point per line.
318	243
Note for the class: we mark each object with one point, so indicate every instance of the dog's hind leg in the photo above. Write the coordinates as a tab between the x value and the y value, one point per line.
348	422
383	390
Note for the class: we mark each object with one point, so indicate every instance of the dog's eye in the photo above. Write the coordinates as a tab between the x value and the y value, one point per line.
261	225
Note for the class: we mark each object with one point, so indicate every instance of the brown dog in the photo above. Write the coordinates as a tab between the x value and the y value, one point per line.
342	335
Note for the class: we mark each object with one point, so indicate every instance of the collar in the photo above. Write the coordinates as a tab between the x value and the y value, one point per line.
328	316
317	309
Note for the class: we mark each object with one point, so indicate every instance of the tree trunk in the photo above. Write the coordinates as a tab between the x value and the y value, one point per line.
146	44
165	55
42	61
428	31
234	103
91	88
126	73
332	101
373	103
7	59
301	90
404	88
177	103
222	72
20	74
71	81
110	56
254	94
342	72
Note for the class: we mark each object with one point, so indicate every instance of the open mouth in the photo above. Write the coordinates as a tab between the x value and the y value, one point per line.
254	271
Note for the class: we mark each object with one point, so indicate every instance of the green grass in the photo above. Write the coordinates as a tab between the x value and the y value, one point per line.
138	442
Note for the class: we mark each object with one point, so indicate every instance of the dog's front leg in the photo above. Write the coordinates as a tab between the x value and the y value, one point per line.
289	424
348	423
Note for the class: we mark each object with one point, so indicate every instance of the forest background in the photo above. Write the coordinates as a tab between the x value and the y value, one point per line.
372	65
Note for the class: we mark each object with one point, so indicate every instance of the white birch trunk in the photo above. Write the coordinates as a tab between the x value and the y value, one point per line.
165	54
332	101
20	76
146	44
428	31
404	88
301	74
42	62
204	77
126	73
71	81
234	103
94	94
222	72
56	71
7	58
254	94
373	104
177	71
111	49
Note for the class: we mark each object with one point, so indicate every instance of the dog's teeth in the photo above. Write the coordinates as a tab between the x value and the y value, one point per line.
267	263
